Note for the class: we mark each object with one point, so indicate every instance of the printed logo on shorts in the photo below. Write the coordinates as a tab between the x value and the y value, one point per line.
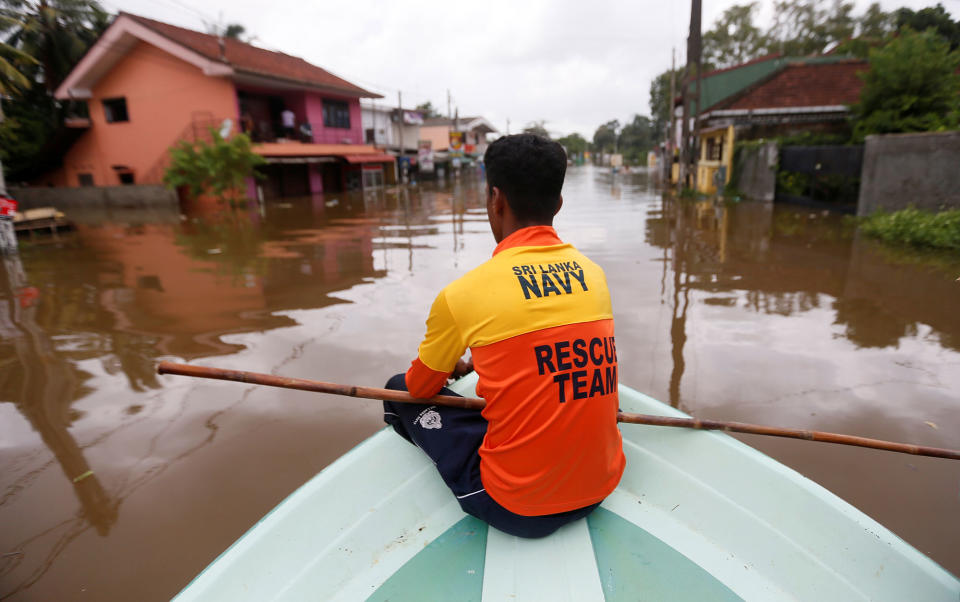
429	419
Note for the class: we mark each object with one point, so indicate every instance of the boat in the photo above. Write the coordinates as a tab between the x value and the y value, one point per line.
697	516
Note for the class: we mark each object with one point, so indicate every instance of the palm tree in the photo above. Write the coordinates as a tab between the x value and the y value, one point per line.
12	60
54	32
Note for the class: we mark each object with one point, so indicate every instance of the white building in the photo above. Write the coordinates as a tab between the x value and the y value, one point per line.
381	127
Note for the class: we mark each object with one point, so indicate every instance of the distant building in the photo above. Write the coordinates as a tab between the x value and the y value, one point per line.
149	85
475	129
767	97
382	127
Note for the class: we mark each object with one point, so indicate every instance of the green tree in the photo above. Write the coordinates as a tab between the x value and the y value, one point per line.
428	110
875	23
54	32
636	139
912	86
605	138
219	167
660	102
574	143
734	38
234	31
41	41
935	17
874	28
13	62
806	27
538	128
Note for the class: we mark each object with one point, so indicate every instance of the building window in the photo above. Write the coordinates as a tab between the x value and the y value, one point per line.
373	178
714	149
369	136
85	179
115	110
126	177
336	114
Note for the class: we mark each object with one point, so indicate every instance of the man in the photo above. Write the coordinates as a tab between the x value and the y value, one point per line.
537	318
289	120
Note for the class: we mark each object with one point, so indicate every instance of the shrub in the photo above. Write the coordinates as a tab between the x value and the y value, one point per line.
916	228
219	167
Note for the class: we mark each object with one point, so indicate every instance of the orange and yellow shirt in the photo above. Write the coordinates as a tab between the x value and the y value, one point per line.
538	321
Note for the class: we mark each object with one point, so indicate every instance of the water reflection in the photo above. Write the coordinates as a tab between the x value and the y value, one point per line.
139	286
785	260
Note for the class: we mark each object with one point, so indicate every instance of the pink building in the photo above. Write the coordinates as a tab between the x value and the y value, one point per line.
148	85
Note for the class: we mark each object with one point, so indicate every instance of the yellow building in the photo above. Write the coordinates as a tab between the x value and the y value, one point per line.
715	163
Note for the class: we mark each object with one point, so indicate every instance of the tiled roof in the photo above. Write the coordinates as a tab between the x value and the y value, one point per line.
804	85
250	59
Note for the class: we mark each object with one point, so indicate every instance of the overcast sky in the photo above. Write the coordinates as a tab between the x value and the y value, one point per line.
573	64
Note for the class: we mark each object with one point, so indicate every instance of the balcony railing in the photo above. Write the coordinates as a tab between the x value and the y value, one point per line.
305	132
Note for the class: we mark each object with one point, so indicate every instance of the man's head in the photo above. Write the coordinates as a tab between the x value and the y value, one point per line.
524	177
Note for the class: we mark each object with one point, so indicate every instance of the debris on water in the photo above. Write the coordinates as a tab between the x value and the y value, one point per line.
931	424
79	478
332	203
214	251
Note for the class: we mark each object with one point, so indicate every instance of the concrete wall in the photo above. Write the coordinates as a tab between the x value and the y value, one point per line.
90	197
756	176
900	170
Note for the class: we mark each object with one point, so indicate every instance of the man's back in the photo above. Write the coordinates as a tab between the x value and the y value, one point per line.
538	321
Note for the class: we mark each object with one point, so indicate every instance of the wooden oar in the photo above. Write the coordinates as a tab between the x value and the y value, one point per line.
478	404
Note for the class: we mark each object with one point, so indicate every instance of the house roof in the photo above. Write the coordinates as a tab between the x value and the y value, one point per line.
717	88
810	84
233	59
720	84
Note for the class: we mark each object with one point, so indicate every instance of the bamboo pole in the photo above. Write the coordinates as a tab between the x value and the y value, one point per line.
478	404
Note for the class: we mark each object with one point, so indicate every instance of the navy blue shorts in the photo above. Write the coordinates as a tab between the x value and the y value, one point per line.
451	437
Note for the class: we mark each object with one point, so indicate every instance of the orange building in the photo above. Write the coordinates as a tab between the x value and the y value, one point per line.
149	84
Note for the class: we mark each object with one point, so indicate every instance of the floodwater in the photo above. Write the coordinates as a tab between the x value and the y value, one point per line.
118	484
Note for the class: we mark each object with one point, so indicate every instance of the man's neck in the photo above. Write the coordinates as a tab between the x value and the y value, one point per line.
510	228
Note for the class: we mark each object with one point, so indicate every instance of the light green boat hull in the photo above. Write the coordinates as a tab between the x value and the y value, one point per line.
697	516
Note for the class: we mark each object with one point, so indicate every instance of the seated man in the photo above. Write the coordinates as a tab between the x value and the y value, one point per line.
537	318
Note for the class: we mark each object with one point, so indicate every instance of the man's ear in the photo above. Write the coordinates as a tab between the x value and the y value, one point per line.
499	201
559	204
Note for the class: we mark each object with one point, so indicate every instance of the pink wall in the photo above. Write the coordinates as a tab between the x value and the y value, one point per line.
324	135
164	96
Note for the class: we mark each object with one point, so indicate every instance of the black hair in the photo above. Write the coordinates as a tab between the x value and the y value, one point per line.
529	170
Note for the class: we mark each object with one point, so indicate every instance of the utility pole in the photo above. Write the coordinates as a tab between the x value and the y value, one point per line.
693	62
3	182
672	123
695	34
508	126
400	173
449	114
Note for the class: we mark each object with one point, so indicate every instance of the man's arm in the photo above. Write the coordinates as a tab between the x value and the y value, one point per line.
439	352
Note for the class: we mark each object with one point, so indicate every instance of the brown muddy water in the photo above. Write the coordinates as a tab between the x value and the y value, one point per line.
117	484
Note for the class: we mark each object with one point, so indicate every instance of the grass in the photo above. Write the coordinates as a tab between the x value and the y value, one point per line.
915	228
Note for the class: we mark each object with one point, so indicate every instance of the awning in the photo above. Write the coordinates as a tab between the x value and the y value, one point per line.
370	158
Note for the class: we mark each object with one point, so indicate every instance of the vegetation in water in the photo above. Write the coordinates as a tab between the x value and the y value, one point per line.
916	228
219	167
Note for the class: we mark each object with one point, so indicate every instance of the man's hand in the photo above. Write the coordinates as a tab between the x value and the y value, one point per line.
463	368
